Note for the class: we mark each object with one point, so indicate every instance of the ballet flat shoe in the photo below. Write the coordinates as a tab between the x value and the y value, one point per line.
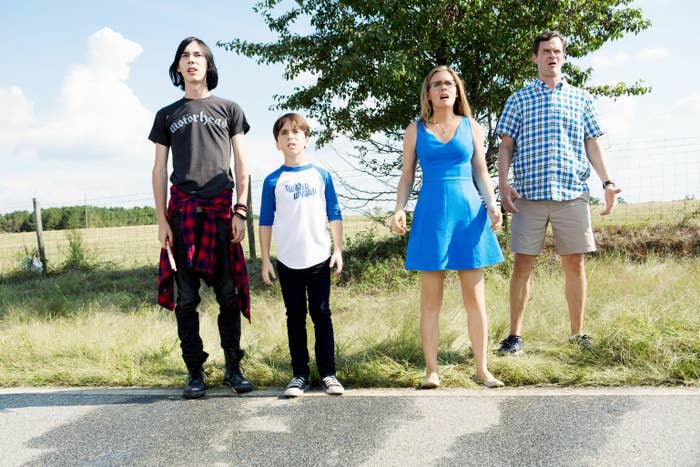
431	381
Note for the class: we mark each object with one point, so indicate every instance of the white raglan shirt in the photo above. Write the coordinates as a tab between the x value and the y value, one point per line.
298	202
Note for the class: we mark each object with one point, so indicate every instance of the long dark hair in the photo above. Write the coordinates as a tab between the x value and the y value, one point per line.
212	73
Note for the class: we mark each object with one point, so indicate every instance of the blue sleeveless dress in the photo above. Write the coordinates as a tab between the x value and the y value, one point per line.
451	229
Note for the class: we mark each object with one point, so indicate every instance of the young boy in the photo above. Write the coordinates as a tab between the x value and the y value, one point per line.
297	199
200	231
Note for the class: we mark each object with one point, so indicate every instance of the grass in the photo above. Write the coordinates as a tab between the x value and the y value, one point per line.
93	319
126	247
99	326
123	247
650	213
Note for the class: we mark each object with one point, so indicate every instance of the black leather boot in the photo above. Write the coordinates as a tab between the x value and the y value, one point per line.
195	383
233	376
194	388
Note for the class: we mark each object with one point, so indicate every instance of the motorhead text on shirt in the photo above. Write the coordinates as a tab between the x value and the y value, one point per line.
197	118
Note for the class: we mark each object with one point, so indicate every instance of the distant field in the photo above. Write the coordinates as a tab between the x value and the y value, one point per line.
657	212
124	246
138	245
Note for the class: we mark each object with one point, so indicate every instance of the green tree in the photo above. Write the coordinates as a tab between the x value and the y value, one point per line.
369	57
16	221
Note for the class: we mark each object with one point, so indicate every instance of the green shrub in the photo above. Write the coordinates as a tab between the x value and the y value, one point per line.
78	256
375	263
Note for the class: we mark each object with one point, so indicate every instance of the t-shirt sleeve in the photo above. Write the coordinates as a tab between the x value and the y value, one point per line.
509	123
237	121
591	120
332	206
267	202
159	133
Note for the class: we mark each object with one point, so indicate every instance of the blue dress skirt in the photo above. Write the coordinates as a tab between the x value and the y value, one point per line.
451	229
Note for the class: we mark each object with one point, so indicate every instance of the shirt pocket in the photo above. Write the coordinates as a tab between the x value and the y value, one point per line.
571	122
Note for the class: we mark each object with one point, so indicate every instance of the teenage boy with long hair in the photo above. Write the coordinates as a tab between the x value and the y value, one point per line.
200	230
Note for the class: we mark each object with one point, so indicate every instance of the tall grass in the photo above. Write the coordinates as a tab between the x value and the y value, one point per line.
100	326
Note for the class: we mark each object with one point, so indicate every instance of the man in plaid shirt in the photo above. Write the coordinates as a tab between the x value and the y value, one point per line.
549	135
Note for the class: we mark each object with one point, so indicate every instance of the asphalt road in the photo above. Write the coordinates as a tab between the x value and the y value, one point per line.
385	427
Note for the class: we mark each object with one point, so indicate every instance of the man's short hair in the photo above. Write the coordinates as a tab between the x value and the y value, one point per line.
212	73
544	37
295	119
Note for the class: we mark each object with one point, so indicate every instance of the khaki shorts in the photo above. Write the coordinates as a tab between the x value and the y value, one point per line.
571	226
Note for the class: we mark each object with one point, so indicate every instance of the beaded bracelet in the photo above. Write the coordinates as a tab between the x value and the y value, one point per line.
239	215
240	206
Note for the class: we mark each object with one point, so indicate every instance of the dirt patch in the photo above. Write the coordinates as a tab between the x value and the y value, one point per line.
637	243
658	240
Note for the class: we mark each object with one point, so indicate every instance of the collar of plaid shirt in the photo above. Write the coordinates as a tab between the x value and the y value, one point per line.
215	208
545	87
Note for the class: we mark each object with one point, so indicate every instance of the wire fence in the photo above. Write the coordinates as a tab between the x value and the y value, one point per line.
658	188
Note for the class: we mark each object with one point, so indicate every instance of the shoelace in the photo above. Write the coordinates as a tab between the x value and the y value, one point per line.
510	340
330	381
297	382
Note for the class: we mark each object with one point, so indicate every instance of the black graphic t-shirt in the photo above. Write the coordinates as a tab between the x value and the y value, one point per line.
199	132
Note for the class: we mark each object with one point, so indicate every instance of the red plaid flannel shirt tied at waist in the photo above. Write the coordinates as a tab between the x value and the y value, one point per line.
215	208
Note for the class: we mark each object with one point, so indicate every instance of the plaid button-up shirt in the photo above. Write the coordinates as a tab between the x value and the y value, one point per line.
550	127
184	205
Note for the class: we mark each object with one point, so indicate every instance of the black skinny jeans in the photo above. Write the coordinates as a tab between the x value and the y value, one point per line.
188	283
296	284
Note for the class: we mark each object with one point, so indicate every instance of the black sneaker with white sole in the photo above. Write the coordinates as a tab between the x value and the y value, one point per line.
296	386
511	345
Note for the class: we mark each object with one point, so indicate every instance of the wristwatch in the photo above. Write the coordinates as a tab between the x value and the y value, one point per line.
606	183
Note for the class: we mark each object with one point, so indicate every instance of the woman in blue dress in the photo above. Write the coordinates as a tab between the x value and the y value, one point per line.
452	229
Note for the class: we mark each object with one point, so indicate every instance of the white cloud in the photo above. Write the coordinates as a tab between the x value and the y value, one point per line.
620	118
638	117
653	54
14	123
22	110
110	53
90	142
621	58
602	60
98	114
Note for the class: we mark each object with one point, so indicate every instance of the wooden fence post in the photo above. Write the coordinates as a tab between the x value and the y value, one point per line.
39	234
251	221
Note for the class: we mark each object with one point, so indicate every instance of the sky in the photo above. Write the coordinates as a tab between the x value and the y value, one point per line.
83	80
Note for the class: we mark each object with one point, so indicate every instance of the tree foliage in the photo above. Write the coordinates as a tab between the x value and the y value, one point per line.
368	59
74	217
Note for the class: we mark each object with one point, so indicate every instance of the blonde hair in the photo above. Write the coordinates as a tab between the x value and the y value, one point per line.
461	105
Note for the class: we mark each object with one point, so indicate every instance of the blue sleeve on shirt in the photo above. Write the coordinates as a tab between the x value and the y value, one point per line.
332	207
267	202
